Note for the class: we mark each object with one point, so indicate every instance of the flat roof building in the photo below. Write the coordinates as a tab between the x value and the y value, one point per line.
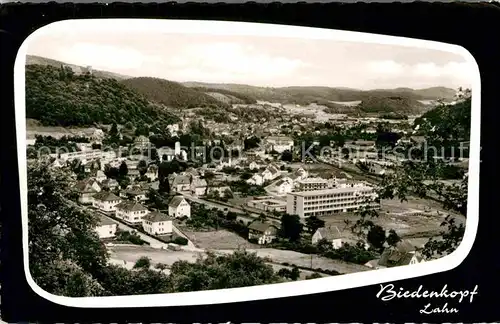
328	201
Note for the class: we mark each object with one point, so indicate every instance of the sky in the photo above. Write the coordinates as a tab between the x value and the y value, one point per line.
253	60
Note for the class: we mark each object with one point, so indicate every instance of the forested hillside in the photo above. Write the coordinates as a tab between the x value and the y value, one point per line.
56	96
172	94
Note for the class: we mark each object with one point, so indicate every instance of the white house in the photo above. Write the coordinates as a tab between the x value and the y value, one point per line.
333	235
106	228
156	223
284	186
152	173
199	187
271	173
403	254
262	232
106	201
279	143
100	176
253	165
179	183
179	207
86	190
131	212
256	179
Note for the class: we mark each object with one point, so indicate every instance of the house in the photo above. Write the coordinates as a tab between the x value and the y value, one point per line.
141	142
152	173
262	232
253	165
199	187
180	183
256	179
284	185
106	228
156	223
136	194
179	207
131	212
299	174
268	204
333	235
106	201
110	184
279	143
403	254
100	176
86	190
271	173
57	164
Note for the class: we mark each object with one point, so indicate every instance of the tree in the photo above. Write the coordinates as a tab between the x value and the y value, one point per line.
142	167
239	269
142	262
123	170
393	238
295	273
291	227
161	266
313	223
287	156
376	237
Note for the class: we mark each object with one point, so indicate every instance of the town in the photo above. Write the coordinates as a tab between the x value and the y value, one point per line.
232	190
139	183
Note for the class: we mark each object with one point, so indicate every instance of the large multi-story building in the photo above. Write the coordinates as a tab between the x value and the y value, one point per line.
328	201
87	155
309	184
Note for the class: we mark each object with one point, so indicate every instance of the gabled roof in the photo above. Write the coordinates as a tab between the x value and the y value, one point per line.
331	233
130	206
393	258
105	221
176	201
260	226
180	180
85	186
199	183
106	196
156	217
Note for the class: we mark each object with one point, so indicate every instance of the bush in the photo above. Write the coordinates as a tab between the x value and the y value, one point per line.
180	240
314	276
142	263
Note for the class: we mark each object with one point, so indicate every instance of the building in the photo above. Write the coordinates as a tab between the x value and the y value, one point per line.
268	204
262	232
156	223
106	228
100	176
131	212
166	153
88	155
110	184
284	186
199	187
403	254
106	201
271	173
136	194
256	179
152	173
86	190
311	184
333	235
328	201
279	143
179	207
180	183
141	142
299	174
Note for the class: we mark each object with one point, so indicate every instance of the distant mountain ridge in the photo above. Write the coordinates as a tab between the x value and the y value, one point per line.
38	60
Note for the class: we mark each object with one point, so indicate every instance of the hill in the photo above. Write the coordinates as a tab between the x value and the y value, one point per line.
391	104
59	97
38	60
331	97
172	94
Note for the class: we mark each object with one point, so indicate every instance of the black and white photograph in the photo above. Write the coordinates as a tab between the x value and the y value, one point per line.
168	162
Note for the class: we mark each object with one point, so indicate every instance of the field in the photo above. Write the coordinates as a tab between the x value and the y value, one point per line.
396	215
130	254
215	240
